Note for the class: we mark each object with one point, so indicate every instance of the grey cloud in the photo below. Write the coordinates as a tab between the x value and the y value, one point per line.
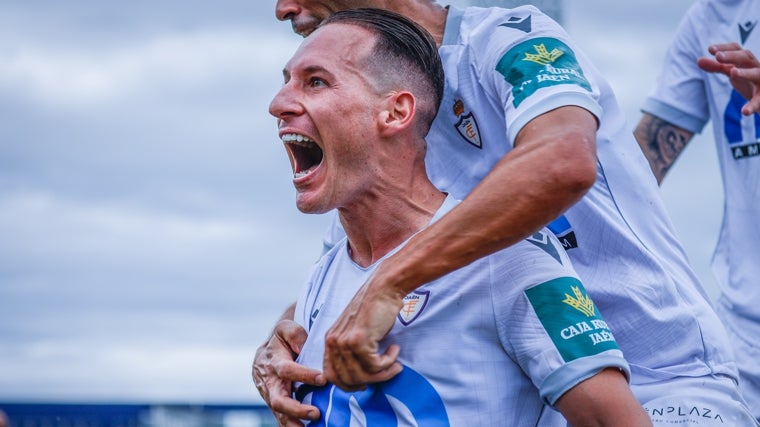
149	232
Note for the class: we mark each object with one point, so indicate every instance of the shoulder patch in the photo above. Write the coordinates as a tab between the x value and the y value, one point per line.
538	63
571	318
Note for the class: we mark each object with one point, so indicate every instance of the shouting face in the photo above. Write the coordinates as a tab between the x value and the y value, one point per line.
327	113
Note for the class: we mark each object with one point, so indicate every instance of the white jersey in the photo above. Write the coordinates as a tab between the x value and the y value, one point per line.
504	67
688	97
492	344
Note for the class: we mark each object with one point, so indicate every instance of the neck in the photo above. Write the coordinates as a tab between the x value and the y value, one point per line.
427	13
380	222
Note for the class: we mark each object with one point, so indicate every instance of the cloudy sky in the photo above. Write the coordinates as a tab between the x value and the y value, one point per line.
148	235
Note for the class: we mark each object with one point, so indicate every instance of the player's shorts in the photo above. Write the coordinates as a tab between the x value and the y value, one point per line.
703	401
744	336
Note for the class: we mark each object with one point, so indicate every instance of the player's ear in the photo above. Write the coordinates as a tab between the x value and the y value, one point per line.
398	113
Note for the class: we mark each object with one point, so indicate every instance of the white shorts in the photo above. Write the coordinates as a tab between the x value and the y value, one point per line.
744	335
702	401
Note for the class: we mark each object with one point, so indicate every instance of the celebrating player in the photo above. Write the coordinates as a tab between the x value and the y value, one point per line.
529	134
362	91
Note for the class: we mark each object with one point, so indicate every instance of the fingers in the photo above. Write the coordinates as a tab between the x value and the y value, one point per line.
288	410
742	68
713	49
293	372
710	65
742	58
352	357
277	393
275	370
352	371
292	334
727	56
745	78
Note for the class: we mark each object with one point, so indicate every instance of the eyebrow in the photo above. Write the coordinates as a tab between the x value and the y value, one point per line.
309	70
316	69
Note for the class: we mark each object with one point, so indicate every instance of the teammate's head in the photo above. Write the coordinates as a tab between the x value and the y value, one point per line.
306	15
362	83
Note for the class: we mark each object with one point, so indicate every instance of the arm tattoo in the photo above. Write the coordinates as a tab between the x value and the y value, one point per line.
661	143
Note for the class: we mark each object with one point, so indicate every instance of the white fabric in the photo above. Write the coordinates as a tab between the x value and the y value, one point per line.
626	254
695	402
474	336
619	237
689	97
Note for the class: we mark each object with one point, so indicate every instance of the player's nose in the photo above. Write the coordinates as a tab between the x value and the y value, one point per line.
287	9
284	103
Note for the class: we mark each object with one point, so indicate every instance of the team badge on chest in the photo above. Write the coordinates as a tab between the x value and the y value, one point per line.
467	126
414	303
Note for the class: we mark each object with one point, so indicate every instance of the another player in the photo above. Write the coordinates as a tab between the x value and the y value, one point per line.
713	49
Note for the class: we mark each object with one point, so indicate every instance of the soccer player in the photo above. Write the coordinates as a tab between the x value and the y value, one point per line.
528	134
360	93
711	51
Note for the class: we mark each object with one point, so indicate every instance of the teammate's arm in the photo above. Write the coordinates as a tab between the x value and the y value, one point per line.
274	371
551	167
661	142
602	400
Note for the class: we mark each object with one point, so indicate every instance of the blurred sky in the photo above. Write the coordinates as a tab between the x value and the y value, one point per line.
148	233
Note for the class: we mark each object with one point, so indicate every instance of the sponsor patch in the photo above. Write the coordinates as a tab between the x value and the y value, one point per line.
571	318
538	63
414	303
688	410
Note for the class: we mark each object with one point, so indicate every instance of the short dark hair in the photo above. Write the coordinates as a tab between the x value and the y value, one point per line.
404	47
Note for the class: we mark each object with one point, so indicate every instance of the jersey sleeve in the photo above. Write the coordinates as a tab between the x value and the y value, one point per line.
546	320
536	68
680	94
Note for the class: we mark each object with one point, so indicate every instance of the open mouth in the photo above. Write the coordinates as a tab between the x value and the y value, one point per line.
305	154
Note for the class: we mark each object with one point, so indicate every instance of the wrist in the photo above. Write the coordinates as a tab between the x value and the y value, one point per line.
393	279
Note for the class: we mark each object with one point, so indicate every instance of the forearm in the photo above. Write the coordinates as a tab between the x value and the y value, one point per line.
661	142
523	193
603	400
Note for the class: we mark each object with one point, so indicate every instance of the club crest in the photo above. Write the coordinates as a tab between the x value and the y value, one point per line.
467	126
414	303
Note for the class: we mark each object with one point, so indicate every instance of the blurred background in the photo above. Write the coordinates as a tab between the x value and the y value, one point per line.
148	233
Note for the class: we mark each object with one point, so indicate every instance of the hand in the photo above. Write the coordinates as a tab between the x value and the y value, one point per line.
275	370
742	68
352	343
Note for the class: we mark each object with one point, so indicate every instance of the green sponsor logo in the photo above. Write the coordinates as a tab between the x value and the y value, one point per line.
537	63
570	318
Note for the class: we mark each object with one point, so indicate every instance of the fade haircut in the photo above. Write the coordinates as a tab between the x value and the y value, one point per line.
404	55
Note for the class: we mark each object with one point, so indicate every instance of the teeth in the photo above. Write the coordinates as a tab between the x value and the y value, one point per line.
307	155
294	137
